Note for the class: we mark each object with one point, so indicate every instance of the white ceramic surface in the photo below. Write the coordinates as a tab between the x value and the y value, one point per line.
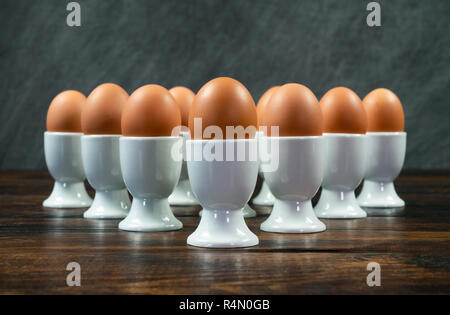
223	188
150	169
344	169
101	161
183	195
294	183
63	157
265	196
386	152
248	212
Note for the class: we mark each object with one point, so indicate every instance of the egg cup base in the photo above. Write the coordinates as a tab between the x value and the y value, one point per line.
68	195
150	215
247	211
290	216
264	197
109	204
335	204
379	195
222	229
385	212
183	195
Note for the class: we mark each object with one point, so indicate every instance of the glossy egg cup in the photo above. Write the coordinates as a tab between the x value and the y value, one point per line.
265	196
183	195
386	152
64	162
344	169
101	161
222	188
151	168
294	183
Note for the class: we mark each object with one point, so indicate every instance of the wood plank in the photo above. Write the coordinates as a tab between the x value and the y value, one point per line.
36	244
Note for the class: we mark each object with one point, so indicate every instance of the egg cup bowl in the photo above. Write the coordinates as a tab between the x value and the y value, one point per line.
101	161
223	187
63	157
247	211
386	152
344	170
294	183
183	195
151	167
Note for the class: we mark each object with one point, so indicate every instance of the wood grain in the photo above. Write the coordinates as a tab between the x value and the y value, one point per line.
36	244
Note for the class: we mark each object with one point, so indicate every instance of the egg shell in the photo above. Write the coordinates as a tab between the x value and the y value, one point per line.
295	110
151	111
184	98
223	102
384	111
103	110
263	102
343	112
64	112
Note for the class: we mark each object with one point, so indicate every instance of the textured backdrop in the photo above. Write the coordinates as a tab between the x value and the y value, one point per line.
321	44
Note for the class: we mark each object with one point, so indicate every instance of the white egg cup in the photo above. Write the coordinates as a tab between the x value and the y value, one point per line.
151	168
344	170
386	154
101	161
248	212
183	195
265	196
63	157
223	187
294	183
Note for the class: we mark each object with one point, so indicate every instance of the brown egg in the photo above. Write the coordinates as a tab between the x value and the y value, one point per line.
384	111
151	111
263	102
64	113
184	98
295	110
223	102
343	112
103	110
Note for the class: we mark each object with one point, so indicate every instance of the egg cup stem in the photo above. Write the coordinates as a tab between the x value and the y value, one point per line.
264	197
222	229
109	204
68	195
247	211
150	215
334	204
290	216
379	195
183	195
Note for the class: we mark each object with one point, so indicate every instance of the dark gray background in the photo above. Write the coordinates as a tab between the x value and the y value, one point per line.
321	44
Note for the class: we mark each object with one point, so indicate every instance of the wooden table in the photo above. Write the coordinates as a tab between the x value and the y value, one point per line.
36	244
